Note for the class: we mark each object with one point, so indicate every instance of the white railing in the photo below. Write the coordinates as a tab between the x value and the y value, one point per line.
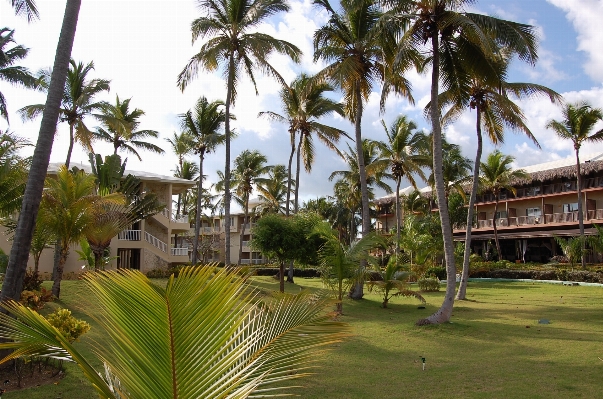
482	224
527	220
595	214
156	242
562	217
245	243
210	230
165	212
129	235
180	251
253	261
180	219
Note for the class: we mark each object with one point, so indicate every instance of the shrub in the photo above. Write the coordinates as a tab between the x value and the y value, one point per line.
32	281
69	326
559	259
438	271
429	284
36	299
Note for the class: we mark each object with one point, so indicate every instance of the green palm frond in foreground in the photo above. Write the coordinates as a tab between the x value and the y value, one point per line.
206	335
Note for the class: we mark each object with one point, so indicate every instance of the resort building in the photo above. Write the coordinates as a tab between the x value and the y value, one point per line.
545	205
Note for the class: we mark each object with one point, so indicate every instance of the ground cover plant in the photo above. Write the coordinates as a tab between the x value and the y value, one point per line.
493	348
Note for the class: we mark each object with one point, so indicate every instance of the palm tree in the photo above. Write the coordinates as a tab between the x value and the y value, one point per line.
78	102
496	175
9	72
456	39
17	265
401	155
66	209
490	96
188	171
257	343
415	203
273	190
202	125
394	282
578	121
249	169
13	173
456	169
27	8
235	46
120	126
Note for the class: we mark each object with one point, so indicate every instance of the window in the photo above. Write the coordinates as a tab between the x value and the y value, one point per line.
573	207
533	212
501	214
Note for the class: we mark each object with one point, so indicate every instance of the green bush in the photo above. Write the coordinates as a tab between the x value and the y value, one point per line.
32	281
36	299
429	284
69	326
438	271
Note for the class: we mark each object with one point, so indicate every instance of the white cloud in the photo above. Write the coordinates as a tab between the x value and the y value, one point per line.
585	15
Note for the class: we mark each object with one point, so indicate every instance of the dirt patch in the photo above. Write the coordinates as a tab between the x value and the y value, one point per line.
14	377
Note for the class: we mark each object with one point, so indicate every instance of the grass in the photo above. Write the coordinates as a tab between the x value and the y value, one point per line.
494	347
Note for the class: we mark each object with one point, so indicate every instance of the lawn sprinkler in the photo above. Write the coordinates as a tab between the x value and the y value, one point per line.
423	361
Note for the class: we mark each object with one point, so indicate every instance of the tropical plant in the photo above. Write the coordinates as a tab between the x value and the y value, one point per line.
394	282
415	203
13	173
577	124
202	126
25	7
207	334
418	242
455	40
248	172
13	279
338	262
273	191
120	126
356	52
235	46
86	254
401	155
574	248
188	171
9	72
77	103
497	175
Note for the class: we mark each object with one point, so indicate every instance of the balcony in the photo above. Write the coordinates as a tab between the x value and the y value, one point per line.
129	235
554	218
156	242
180	219
180	251
253	261
245	244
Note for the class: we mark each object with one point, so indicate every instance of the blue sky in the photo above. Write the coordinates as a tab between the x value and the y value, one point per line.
143	45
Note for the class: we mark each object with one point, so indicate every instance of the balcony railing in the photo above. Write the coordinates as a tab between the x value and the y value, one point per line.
562	217
245	243
253	261
156	242
180	251
129	235
180	219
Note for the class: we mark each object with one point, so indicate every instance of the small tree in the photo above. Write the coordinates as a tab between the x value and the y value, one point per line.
574	248
394	283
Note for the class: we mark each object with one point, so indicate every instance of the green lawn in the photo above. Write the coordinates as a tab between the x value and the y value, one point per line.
487	351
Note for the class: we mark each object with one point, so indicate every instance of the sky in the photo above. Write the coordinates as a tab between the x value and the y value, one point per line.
142	46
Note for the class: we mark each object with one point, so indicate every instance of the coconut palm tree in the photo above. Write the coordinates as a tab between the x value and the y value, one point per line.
496	175
273	190
9	72
188	171
304	103
577	124
27	8
401	155
248	172
203	125
455	39
17	265
258	343
120	128
13	173
235	46
78	102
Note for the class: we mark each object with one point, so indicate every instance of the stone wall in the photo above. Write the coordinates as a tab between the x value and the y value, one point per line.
151	261
156	229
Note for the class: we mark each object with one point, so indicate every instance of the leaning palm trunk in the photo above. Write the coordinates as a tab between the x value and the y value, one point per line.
13	279
580	213
398	218
462	292
56	285
198	212
71	143
229	89
358	289
443	314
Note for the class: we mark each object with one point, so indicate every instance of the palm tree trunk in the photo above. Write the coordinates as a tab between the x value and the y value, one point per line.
281	276
229	89
246	210
71	142
462	292
13	279
56	285
398	218
494	226
445	311
358	290
198	212
297	173
289	174
580	214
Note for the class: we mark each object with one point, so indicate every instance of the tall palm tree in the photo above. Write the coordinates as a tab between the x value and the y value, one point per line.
181	146
273	190
203	125
248	172
188	171
17	265
120	128
13	173
496	175
66	210
9	72
455	39
304	103
456	169
578	122
356	52
235	46
27	8
491	96
401	155
78	102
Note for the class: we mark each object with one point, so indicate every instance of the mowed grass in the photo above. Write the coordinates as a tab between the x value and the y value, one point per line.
494	347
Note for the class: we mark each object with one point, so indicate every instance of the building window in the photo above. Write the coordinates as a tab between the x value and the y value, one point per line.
500	215
533	212
573	207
